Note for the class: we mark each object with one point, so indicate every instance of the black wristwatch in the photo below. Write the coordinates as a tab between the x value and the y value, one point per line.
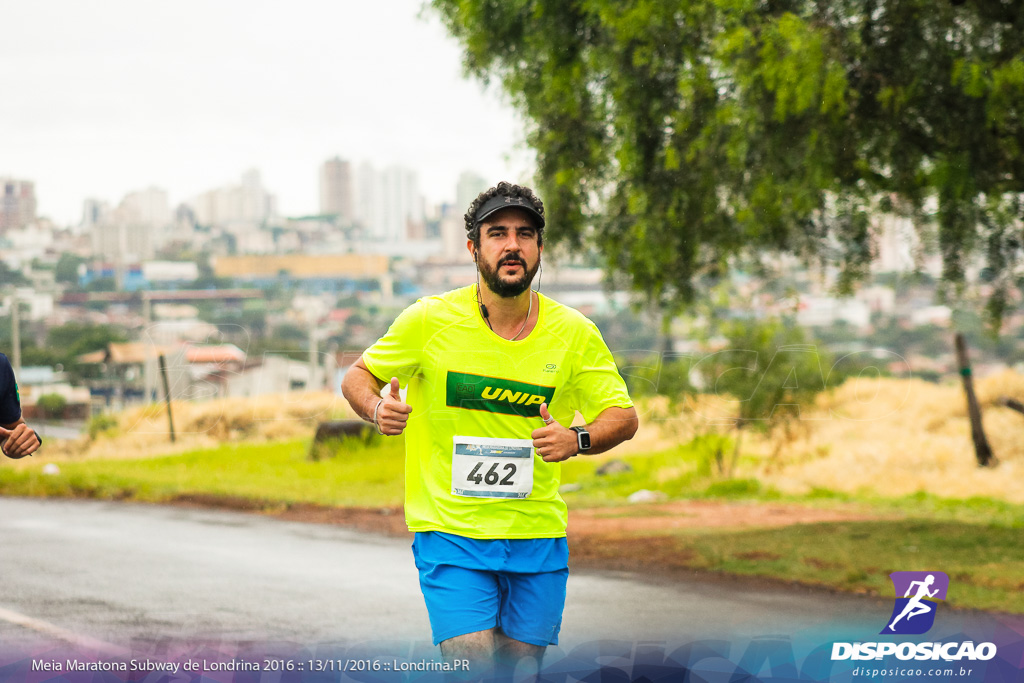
582	438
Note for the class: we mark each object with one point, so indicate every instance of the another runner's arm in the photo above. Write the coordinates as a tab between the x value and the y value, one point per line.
611	427
17	439
362	390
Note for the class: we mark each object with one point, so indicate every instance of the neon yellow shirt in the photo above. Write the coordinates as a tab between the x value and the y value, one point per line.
466	381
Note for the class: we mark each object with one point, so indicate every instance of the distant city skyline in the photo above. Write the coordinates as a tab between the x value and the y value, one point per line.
103	102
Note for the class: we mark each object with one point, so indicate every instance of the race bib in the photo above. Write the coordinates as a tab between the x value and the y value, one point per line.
492	468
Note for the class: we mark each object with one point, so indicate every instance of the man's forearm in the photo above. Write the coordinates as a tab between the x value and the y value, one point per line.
362	391
610	428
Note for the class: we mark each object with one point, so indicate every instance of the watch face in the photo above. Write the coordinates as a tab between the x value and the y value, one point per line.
584	440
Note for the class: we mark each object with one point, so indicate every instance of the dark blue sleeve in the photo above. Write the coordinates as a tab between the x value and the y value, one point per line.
10	405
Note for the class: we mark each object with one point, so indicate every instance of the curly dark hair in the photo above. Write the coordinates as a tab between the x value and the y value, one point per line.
505	190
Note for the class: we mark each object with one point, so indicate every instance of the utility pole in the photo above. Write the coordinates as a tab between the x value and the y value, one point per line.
167	395
149	370
982	450
314	349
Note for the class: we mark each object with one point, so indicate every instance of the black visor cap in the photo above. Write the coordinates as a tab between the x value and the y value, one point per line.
501	202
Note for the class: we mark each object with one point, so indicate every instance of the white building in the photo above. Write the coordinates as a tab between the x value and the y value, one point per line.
403	205
369	199
823	311
121	237
251	238
388	204
30	242
274	375
149	208
336	190
249	202
170	271
133	231
32	304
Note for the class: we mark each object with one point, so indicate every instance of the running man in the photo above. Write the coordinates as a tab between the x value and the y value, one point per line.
494	374
16	438
916	605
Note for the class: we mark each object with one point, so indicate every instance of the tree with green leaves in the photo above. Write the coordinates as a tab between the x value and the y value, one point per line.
75	339
766	378
66	270
677	134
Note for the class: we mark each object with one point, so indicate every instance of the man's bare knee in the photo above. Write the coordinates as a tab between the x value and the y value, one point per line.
476	646
471	655
517	655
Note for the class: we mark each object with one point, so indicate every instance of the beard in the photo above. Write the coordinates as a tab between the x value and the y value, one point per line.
504	288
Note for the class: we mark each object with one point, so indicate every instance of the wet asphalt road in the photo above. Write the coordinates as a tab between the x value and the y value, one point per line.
123	573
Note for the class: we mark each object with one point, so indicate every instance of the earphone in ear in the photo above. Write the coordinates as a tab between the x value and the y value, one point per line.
483	309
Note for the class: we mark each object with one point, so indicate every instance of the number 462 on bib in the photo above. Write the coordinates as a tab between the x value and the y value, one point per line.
492	468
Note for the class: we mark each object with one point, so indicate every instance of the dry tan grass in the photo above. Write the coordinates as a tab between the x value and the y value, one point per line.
144	431
1007	383
897	437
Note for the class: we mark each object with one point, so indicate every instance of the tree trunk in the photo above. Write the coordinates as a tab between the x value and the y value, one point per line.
167	394
982	450
1012	404
736	449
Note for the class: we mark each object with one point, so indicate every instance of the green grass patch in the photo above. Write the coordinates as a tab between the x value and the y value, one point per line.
365	472
679	473
985	563
974	510
360	474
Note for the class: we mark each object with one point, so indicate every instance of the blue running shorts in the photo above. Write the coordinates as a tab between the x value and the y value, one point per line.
473	585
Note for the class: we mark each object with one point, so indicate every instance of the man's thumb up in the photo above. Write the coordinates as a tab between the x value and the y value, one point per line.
394	389
545	415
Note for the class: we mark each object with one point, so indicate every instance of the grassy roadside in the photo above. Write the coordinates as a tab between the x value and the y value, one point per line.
985	563
976	541
274	472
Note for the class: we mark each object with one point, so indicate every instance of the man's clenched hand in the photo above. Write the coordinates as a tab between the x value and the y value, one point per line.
393	414
553	442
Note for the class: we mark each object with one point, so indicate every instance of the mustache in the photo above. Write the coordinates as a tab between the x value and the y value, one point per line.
511	260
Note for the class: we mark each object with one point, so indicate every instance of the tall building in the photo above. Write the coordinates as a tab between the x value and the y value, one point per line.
336	191
403	205
469	186
17	204
150	209
388	204
369	199
249	202
121	237
149	206
93	210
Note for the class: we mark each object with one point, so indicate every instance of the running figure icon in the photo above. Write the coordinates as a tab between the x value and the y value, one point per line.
916	605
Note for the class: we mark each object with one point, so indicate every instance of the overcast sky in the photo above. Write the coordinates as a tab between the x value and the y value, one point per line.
101	98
